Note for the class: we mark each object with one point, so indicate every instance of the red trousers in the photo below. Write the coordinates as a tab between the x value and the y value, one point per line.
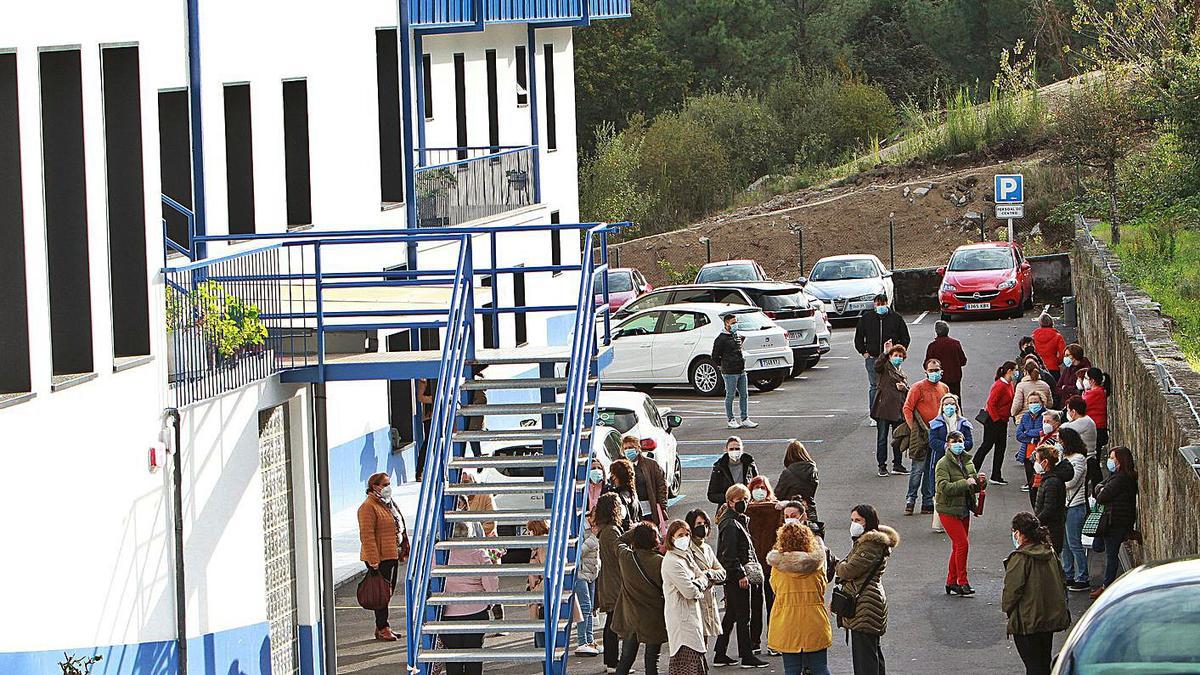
958	529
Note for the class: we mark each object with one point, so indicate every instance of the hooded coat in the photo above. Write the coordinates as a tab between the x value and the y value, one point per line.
639	612
1033	595
799	620
725	476
608	582
683	591
870	617
798	480
1051	504
889	401
954	496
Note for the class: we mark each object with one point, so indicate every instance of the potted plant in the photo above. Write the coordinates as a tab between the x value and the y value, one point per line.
72	665
518	179
230	327
432	187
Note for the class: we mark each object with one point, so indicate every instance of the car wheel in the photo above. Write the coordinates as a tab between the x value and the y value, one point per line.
706	379
799	367
676	477
947	317
767	384
812	362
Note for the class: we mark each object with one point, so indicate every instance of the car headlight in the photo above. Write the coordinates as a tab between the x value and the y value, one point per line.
949	288
1005	285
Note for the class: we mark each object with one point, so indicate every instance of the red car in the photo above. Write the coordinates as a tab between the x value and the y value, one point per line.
624	284
985	278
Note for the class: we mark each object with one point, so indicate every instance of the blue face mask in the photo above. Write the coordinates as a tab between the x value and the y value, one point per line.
1112	465
596	475
896	361
958	448
950	410
1067	361
1016	376
1035	408
935	376
881	310
631	455
733	328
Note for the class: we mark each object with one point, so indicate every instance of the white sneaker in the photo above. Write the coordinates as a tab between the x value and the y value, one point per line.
586	650
733	424
871	422
749	423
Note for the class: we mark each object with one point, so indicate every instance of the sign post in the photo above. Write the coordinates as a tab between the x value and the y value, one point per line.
1010	199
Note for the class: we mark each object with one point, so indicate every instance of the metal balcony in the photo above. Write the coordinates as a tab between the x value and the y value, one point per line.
449	13
459	185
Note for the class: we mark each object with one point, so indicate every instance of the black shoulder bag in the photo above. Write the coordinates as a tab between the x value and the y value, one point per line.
843	603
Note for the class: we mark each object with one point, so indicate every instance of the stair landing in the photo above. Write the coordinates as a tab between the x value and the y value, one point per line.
413	365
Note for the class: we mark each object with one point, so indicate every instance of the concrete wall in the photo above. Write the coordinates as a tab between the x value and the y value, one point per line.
917	289
1141	416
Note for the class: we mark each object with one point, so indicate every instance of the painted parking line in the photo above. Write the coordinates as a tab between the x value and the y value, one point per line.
720	415
721	441
919	318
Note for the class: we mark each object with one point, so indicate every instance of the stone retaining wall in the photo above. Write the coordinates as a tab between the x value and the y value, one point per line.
1141	416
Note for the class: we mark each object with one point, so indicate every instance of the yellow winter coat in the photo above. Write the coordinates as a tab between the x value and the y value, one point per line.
799	620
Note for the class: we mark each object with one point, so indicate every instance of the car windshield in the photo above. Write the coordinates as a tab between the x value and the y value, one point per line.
979	259
740	272
1153	631
842	270
753	320
618	418
774	302
618	282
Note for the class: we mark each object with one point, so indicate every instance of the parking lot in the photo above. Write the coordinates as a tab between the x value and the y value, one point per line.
826	408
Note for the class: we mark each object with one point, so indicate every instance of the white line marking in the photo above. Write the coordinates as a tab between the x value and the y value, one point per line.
835	357
923	315
721	441
713	415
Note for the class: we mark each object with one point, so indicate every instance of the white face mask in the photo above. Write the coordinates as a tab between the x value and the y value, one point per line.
790	520
1038	469
1047	428
1087	384
735	455
681	543
385	493
758	494
621	514
856	530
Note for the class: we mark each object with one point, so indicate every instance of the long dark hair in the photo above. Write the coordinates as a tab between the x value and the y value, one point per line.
1031	528
1072	442
1004	368
1125	462
1100	378
868	514
605	511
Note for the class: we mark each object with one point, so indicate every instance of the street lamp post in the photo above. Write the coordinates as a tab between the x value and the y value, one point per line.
707	249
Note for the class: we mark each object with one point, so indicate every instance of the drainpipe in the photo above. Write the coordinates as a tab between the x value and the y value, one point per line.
171	430
324	528
199	248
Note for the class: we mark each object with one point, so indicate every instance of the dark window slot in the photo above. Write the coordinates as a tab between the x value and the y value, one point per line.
391	148
522	76
551	120
555	241
460	103
427	84
493	102
521	324
239	159
175	161
296	160
14	330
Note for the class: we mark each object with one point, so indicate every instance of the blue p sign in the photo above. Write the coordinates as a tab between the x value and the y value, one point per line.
1010	189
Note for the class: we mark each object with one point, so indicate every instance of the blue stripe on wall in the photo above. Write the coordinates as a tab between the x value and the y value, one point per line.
148	658
239	651
310	650
353	462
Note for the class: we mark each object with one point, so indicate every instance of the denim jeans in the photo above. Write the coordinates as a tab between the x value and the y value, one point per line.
583	594
883	432
816	662
1074	557
1112	553
918	477
739	383
872	383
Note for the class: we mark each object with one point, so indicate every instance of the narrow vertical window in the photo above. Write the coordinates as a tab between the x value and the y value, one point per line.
522	77
391	150
555	242
427	84
493	102
296	162
521	324
460	103
551	120
175	161
490	334
66	212
239	159
14	329
121	76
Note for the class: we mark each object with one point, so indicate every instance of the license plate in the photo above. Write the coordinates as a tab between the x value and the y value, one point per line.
771	363
795	336
977	305
857	306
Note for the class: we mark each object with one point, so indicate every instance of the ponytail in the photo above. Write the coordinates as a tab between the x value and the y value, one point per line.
1100	378
1031	528
1004	368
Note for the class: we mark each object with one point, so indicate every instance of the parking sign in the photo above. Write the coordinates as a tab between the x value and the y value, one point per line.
1010	189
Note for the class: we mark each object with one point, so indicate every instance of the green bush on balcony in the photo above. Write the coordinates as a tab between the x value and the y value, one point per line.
230	325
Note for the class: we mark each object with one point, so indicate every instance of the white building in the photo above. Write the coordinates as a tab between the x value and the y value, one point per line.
298	118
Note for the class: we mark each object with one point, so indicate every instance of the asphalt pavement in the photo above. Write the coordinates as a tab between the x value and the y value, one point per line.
928	631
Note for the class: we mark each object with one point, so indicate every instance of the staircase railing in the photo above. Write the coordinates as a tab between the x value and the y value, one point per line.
564	524
433	502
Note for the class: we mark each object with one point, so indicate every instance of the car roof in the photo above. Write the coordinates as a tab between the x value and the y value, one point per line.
737	285
721	263
985	245
849	256
621	399
703	308
1149	577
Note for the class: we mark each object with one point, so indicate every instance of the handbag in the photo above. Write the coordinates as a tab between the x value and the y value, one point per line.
1095	524
374	592
984	417
843	603
754	572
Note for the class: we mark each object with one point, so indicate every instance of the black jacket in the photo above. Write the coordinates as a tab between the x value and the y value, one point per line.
798	480
1118	493
723	476
727	354
734	546
873	330
1051	504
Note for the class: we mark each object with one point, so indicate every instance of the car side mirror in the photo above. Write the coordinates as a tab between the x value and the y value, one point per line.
674	421
887	275
941	271
802	281
1026	266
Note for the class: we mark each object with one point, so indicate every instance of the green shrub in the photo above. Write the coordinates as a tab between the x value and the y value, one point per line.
744	127
683	276
684	164
1155	177
801	101
608	187
858	112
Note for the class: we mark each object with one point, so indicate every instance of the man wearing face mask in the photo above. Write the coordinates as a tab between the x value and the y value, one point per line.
383	536
876	332
922	406
735	467
727	354
735	551
650	480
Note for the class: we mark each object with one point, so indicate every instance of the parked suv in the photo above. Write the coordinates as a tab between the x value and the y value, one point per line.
786	304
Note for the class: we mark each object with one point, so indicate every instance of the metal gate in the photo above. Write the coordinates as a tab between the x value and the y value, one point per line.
279	539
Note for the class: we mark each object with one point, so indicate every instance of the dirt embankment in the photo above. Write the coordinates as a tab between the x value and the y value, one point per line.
933	210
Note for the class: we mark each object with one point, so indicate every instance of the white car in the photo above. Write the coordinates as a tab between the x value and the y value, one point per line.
673	344
848	284
633	412
731	270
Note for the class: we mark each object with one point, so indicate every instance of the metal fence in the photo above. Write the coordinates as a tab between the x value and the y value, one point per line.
450	12
459	185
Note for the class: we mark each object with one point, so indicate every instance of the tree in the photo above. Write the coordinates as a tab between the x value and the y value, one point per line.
739	44
683	163
608	188
885	50
1096	129
744	127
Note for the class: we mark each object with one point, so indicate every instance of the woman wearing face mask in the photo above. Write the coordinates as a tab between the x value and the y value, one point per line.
383	536
800	627
1118	495
639	616
888	411
650	482
995	430
585	590
607	518
1074	365
1074	558
765	520
735	551
957	485
595	483
1031	383
622	483
1095	387
683	590
861	573
1029	430
1051	506
1033	597
474	613
949	421
704	562
799	479
735	467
